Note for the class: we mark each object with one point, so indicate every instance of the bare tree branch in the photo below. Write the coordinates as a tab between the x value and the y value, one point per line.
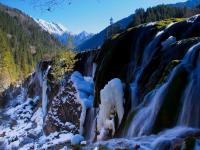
49	5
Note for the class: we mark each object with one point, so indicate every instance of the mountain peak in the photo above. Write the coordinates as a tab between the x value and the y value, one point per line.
52	27
62	33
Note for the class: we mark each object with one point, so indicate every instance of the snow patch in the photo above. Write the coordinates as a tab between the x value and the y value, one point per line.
51	27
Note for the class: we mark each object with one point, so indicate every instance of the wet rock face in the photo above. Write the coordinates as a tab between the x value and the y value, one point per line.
64	110
139	56
123	55
85	62
34	84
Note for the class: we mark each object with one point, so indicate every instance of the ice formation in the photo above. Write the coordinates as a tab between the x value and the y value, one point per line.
111	102
77	139
85	91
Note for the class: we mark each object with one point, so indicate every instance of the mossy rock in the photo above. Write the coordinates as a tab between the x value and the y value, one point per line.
190	143
169	111
162	24
167	71
113	61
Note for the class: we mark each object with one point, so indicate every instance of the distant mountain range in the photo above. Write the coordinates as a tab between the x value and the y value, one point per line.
189	4
62	33
98	39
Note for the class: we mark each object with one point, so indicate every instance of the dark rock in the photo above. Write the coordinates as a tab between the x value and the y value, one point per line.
64	107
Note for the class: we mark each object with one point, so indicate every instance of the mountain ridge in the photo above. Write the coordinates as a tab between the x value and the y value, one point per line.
23	45
62	33
188	3
98	39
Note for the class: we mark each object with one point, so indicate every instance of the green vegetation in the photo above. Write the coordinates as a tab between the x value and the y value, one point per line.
8	70
161	12
22	44
166	22
62	63
167	71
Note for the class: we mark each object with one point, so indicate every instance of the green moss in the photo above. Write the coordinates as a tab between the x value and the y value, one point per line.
115	36
77	147
128	121
164	23
167	71
101	147
168	112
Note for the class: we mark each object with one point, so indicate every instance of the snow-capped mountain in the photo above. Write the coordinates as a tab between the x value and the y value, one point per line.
62	33
52	27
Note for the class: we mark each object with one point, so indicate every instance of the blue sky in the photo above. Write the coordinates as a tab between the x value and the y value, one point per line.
89	15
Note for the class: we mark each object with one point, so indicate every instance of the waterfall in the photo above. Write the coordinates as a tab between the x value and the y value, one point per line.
144	118
44	92
151	48
94	67
191	104
148	54
90	124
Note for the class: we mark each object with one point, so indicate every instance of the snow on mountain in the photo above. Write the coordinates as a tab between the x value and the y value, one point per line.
62	33
52	27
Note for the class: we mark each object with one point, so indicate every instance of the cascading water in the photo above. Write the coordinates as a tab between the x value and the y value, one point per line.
90	125
148	54
191	104
145	117
44	92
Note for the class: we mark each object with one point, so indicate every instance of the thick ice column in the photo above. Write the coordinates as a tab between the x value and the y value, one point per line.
112	101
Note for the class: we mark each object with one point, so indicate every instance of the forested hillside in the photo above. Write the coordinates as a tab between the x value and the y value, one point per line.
140	16
161	12
23	43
